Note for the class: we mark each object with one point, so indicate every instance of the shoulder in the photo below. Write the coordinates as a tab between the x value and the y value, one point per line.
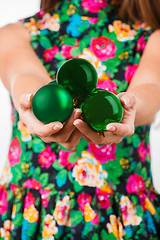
153	43
13	31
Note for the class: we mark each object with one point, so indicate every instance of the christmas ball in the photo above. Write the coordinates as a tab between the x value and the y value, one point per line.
52	103
101	108
79	77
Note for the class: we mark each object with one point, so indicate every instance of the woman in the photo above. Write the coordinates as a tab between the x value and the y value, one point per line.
64	181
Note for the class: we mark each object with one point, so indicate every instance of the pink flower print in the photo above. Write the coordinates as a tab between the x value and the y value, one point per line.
82	199
41	13
130	70
142	151
141	44
103	47
94	6
152	194
45	197
103	198
95	221
135	184
93	20
103	153
29	200
12	114
49	54
14	151
33	184
66	51
107	85
46	157
62	209
63	158
3	200
13	187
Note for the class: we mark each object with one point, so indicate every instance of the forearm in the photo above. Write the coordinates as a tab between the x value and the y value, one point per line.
26	83
148	103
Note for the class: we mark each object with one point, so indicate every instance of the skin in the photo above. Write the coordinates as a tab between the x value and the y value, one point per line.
23	74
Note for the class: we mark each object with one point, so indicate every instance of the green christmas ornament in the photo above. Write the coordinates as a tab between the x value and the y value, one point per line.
79	77
53	82
101	108
52	103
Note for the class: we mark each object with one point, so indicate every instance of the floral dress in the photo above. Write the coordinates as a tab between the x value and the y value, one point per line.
95	192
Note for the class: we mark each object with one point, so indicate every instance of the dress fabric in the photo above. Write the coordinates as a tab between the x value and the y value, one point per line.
95	192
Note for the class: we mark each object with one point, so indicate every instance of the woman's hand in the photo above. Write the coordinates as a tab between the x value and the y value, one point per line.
116	131
65	134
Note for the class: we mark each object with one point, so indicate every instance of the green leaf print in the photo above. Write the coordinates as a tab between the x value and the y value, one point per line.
70	41
17	221
59	56
57	166
76	217
44	177
17	173
95	237
81	146
61	178
87	229
104	234
73	157
135	139
45	42
144	173
75	52
110	236
77	187
84	43
115	169
10	195
26	156
47	67
38	145
37	171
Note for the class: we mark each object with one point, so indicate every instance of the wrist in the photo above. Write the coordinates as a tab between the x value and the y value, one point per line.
26	84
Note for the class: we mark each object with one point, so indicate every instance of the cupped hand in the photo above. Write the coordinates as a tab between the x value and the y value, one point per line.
66	134
115	131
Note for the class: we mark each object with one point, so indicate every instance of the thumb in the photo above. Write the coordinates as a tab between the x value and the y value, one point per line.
128	100
25	101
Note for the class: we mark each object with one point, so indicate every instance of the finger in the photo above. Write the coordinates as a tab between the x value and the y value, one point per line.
36	127
88	132
68	127
25	101
128	100
121	129
73	140
86	138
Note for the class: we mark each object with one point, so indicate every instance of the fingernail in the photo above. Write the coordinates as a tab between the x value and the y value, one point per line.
126	101
28	98
77	113
111	128
57	127
76	122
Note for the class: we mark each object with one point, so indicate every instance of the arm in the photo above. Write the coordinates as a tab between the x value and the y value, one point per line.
141	101
22	72
145	84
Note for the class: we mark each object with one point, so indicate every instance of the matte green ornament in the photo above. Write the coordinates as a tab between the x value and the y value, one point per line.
52	103
79	77
101	108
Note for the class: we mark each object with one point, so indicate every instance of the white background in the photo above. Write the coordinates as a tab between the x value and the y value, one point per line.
11	11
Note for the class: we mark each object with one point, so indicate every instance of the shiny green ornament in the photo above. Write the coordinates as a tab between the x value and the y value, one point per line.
53	82
52	103
79	77
101	108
